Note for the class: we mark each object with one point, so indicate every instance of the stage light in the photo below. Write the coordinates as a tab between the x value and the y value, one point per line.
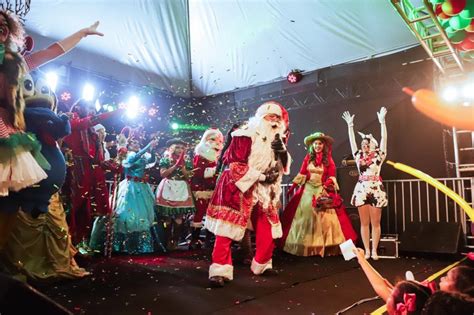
66	96
97	105
174	126
132	107
110	108
450	94
52	80
88	92
468	91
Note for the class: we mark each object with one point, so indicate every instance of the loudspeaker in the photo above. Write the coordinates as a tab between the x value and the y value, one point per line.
429	237
17	297
347	177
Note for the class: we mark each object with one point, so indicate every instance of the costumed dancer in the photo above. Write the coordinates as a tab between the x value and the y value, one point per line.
173	194
248	192
369	193
40	245
89	190
310	225
134	215
204	178
20	159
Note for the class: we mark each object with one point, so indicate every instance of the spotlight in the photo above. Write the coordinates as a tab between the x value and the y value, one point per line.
110	108
52	80
450	93
97	105
66	96
174	126
468	91
133	106
88	92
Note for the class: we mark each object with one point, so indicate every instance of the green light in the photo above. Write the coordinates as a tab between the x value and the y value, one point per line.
174	126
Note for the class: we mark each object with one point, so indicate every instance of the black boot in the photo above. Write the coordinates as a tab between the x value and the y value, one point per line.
216	282
195	240
246	248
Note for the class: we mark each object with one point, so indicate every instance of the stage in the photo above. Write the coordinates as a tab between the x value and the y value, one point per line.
177	283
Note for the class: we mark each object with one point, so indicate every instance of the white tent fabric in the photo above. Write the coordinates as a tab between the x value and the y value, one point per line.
218	45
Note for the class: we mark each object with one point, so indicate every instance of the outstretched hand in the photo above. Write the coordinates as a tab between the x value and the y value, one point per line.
348	118
92	30
381	115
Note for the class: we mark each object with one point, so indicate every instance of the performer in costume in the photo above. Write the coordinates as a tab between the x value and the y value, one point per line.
369	194
19	151
173	194
309	230
248	191
48	127
88	187
41	248
134	215
204	177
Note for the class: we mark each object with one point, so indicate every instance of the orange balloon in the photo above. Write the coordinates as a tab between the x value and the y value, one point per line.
428	103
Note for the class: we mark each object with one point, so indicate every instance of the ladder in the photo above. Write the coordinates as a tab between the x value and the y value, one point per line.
463	145
424	24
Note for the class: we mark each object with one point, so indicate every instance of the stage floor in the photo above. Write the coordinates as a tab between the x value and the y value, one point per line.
177	283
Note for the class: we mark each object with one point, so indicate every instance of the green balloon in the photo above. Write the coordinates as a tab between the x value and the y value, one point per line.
455	36
468	12
458	23
436	1
444	23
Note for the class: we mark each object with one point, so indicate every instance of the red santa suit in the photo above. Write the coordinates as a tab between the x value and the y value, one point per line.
88	177
241	199
204	177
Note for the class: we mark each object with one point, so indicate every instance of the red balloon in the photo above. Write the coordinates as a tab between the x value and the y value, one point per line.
467	44
439	12
453	7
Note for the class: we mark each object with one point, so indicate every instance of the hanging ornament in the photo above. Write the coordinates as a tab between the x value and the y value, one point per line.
295	76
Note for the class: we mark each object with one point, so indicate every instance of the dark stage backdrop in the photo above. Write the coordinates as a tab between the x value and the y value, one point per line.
318	101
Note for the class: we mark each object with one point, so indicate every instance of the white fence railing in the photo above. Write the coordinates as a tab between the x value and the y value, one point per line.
413	200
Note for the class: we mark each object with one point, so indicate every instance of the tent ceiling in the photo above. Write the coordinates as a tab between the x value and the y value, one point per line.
216	46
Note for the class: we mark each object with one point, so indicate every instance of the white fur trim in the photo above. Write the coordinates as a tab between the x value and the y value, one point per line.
197	224
206	151
209	172
226	271
203	194
268	108
222	228
248	179
277	231
286	170
258	269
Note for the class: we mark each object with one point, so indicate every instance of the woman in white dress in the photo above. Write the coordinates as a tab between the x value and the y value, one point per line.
369	194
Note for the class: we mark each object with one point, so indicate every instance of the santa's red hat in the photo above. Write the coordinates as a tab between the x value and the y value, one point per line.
273	107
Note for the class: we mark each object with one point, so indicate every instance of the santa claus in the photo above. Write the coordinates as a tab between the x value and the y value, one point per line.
204	177
248	192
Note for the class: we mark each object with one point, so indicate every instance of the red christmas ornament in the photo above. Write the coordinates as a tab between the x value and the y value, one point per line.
294	76
470	28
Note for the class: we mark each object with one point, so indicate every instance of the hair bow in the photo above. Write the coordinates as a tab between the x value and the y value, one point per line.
430	285
408	305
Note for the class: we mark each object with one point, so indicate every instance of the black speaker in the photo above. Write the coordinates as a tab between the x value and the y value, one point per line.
347	177
17	297
431	237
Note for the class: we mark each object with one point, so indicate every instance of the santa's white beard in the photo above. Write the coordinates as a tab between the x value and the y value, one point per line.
262	158
207	151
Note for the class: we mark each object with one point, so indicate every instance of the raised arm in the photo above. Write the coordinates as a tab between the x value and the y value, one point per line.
381	286
36	59
383	141
350	127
